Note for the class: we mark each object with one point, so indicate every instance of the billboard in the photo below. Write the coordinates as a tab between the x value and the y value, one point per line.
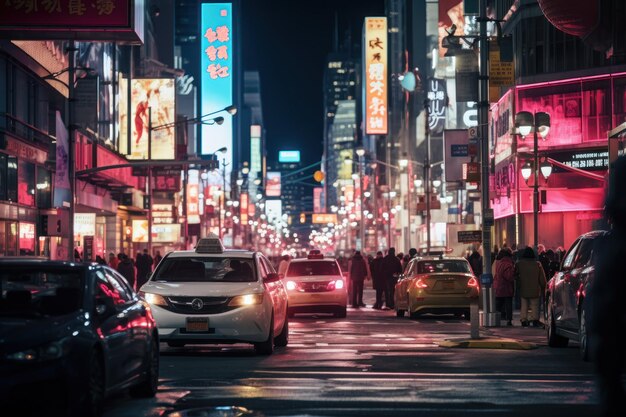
193	197
317	199
165	233
273	210
217	79
375	59
324	218
140	231
122	115
272	184
288	156
110	20
450	13
156	96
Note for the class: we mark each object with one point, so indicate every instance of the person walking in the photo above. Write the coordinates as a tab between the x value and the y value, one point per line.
531	281
359	271
604	302
476	262
392	267
144	267
504	285
127	269
113	261
157	258
378	278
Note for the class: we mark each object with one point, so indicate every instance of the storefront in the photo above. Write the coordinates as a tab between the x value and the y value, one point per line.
582	112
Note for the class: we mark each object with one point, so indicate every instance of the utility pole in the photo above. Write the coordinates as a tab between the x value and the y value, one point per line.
149	185
71	163
427	186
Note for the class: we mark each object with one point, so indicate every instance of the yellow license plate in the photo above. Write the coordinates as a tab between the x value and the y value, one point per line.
197	324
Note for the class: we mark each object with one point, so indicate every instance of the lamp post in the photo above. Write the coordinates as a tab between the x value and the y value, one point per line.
539	124
360	152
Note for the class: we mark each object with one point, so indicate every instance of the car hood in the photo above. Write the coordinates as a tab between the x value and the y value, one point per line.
17	334
202	289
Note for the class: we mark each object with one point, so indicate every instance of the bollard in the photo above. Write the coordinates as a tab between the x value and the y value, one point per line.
474	320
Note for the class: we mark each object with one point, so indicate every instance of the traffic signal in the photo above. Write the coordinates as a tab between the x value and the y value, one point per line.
43	224
146	202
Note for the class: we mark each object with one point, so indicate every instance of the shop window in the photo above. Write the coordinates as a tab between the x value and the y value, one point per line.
12	178
26	183
596	110
27	239
3	238
44	188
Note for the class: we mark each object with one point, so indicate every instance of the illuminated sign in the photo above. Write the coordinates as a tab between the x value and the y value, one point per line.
122	114
375	57
273	210
140	231
317	199
243	208
596	159
84	224
216	81
100	20
324	218
193	198
256	155
165	233
450	13
438	103
272	184
288	156
154	96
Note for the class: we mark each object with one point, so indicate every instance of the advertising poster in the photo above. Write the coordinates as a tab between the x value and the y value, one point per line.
272	186
375	64
273	210
450	13
62	192
193	198
317	199
156	95
140	231
122	103
217	54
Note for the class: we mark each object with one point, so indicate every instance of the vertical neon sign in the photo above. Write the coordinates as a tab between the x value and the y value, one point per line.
216	50
375	55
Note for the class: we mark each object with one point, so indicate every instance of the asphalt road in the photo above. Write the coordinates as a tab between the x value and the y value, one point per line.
372	364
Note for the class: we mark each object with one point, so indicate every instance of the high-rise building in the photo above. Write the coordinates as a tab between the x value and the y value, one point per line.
253	132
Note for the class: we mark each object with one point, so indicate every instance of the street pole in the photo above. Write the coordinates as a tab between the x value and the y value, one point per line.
223	207
427	186
149	185
535	187
72	148
389	215
361	173
483	120
408	211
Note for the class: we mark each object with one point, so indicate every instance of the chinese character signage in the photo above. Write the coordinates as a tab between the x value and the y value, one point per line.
217	76
154	96
193	197
375	77
86	20
438	101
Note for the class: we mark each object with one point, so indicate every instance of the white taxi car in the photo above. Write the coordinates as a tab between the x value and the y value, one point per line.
213	295
316	285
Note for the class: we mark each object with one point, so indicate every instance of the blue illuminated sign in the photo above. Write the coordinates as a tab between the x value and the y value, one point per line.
216	80
288	156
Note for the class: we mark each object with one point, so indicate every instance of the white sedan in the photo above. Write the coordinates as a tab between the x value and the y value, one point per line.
213	295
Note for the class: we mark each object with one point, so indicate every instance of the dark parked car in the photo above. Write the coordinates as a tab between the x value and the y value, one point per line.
70	334
565	295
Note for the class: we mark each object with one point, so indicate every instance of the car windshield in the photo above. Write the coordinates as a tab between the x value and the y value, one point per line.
205	269
298	269
39	291
426	267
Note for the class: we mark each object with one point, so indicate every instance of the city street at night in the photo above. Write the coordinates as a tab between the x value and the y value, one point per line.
373	364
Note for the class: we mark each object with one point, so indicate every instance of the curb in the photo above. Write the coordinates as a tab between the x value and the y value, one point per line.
487	343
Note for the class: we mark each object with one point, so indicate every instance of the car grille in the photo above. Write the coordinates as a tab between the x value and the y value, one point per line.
210	305
315	286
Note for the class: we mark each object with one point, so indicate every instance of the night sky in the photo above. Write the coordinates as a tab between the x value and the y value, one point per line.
287	42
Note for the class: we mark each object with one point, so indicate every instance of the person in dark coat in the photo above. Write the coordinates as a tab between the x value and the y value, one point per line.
604	303
359	271
157	258
127	269
100	260
476	262
504	285
392	267
144	267
378	278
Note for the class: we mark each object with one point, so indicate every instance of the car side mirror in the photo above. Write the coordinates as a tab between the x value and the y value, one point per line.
105	306
272	277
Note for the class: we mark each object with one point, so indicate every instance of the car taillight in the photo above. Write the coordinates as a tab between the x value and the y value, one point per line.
420	283
291	285
472	282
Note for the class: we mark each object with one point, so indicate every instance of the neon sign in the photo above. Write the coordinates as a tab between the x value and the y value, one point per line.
375	51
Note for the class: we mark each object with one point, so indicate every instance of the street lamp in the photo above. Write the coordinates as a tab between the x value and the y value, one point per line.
360	152
539	124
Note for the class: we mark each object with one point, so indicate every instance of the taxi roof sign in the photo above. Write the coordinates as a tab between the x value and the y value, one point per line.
315	254
210	244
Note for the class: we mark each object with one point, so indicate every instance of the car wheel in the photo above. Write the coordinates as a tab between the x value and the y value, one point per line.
149	386
341	313
91	403
283	338
175	344
266	347
554	340
583	337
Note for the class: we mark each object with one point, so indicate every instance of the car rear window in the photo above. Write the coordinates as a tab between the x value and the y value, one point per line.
425	267
38	291
307	268
205	269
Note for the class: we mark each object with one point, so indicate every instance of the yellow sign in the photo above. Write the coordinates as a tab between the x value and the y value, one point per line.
324	218
375	55
501	73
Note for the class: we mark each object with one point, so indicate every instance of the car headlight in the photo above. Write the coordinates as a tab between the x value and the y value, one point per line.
47	352
246	300
154	299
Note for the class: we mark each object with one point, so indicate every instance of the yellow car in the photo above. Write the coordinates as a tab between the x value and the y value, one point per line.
436	285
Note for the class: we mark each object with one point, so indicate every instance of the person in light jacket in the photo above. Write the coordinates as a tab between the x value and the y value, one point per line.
504	284
531	281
